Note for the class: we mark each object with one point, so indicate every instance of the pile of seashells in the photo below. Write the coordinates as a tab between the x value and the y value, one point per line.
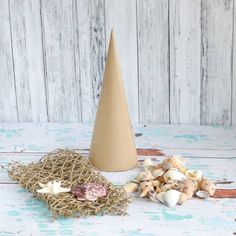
170	182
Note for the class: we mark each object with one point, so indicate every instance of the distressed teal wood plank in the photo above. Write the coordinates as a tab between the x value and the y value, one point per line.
196	141
203	217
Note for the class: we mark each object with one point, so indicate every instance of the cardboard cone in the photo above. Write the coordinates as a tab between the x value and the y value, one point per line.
112	147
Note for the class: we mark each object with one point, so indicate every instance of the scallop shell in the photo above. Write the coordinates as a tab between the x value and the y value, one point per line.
171	197
202	194
158	172
131	187
173	175
195	175
144	176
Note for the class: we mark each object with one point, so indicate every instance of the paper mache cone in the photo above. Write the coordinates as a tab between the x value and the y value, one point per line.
113	147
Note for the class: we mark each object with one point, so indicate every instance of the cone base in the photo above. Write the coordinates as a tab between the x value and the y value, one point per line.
100	166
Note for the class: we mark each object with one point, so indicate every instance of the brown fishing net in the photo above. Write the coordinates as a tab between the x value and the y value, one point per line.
71	169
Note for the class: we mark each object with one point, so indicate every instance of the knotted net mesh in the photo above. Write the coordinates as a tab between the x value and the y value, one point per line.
71	169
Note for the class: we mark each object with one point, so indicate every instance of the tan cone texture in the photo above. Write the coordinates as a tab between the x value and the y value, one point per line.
112	147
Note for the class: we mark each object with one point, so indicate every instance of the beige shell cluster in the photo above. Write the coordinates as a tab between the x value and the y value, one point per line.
170	182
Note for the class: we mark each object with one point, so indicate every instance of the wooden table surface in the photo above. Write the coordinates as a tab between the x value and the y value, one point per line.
211	149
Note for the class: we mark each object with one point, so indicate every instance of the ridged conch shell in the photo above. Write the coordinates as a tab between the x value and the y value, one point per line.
174	175
207	185
158	172
144	176
202	194
172	162
170	198
195	175
131	187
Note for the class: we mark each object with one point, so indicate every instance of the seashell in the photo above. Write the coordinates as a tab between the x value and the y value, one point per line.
145	191
160	179
202	194
144	176
158	172
158	190
171	197
160	196
172	162
147	163
155	183
131	187
52	188
207	185
145	184
182	169
166	187
173	174
188	187
153	195
89	191
182	198
195	175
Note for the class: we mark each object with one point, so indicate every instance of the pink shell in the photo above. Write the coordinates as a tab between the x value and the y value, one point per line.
89	191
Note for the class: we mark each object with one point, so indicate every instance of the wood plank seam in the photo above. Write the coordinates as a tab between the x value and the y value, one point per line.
13	62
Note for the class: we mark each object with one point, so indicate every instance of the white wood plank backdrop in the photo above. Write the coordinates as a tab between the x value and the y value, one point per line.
178	59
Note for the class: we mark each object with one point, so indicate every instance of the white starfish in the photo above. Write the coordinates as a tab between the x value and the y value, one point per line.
52	188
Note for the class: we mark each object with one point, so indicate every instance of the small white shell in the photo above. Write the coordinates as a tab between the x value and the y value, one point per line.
144	176
147	163
171	197
158	172
203	194
131	187
174	175
160	196
194	174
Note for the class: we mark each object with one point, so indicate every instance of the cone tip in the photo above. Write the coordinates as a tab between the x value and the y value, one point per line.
112	34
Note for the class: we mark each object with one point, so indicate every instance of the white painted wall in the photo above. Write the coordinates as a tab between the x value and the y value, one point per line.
178	59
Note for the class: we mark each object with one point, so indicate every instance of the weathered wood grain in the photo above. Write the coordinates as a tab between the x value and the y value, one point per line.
203	217
8	106
28	60
121	17
233	68
59	46
90	53
217	19
153	62
185	60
